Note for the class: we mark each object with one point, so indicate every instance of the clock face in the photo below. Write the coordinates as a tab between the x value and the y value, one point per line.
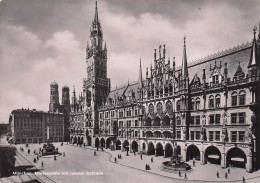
151	109
159	108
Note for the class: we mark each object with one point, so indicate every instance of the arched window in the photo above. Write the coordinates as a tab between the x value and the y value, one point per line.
170	89
193	104
242	98
178	105
159	108
211	101
178	121
198	103
166	90
157	92
217	101
234	99
161	92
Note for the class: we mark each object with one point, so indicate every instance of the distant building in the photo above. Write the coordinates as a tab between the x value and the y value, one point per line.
30	126
3	129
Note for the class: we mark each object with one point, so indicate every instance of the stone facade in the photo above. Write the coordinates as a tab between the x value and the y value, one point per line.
207	109
30	126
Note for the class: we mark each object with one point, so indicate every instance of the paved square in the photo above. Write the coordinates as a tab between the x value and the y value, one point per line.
78	161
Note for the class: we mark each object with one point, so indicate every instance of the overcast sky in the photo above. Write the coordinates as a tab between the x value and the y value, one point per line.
45	40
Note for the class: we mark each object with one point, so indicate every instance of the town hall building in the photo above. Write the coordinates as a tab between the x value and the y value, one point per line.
207	109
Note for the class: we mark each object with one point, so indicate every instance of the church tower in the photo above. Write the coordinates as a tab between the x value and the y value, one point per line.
97	85
54	97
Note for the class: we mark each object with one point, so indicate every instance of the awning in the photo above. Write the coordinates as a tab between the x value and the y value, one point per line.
238	159
213	156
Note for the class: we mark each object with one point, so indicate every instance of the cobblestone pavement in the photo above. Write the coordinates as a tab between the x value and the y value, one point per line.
79	160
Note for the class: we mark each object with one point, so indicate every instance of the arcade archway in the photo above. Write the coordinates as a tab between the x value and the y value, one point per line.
97	142
212	155
193	152
108	143
102	142
126	145
236	158
135	146
159	149
118	144
168	150
151	150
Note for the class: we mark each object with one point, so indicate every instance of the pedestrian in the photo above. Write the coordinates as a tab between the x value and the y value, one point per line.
217	174
185	175
226	175
42	163
37	157
141	156
228	170
115	159
95	153
152	160
118	156
179	173
244	180
193	162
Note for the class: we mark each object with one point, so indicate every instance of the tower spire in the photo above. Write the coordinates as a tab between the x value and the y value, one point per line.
254	56
140	76
96	13
184	69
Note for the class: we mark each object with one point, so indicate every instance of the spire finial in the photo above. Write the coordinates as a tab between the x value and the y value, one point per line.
254	29
184	40
96	13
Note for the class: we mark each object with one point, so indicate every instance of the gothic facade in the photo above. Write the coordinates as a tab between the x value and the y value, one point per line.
207	109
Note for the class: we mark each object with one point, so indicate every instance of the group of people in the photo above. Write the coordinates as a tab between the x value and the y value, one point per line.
226	174
185	175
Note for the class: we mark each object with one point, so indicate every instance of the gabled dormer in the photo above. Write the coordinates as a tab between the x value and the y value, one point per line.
239	74
215	76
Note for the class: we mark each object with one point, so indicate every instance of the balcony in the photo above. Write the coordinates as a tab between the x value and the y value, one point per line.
158	127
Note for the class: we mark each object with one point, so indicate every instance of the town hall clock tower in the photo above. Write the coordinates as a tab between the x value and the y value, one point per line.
97	86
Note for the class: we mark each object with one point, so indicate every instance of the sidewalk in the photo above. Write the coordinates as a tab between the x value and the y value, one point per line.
198	173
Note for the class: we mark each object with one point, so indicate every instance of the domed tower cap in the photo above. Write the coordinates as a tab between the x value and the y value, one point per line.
54	84
65	87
